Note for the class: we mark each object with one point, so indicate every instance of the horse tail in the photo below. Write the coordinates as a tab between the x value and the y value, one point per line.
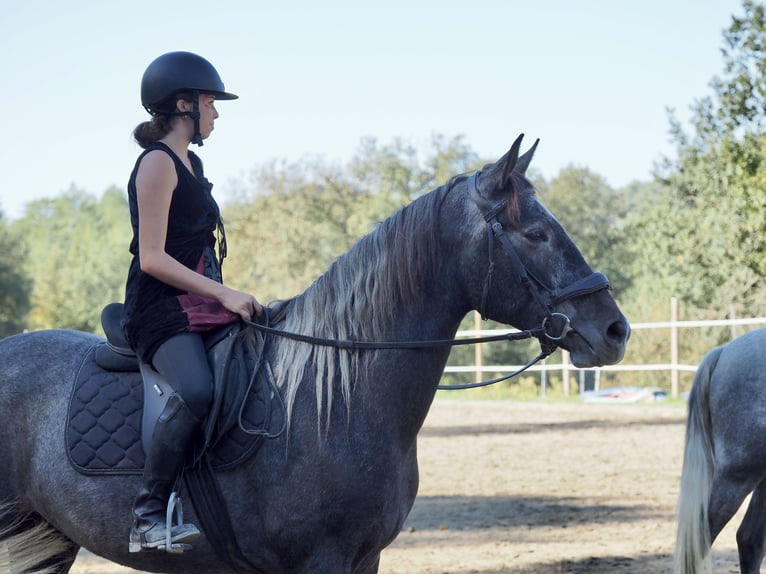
29	546
692	555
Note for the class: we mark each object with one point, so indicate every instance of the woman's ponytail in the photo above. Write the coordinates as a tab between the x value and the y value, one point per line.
148	132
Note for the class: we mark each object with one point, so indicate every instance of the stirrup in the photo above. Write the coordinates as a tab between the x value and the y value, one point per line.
174	504
173	532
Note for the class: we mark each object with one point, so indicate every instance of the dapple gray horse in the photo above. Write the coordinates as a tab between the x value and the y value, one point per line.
330	494
725	455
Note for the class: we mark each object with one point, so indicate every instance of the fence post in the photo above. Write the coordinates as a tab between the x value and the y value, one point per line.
477	353
674	347
565	372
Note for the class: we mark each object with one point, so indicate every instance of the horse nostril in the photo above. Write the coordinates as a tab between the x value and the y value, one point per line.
619	331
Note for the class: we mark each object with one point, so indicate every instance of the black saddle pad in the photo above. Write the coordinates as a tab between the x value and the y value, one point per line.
103	432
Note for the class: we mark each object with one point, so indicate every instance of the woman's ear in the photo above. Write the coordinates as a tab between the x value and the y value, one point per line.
182	105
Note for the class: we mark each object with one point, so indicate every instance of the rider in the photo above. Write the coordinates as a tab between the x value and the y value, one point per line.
174	291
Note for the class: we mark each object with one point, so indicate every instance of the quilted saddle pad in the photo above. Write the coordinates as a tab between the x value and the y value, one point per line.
103	432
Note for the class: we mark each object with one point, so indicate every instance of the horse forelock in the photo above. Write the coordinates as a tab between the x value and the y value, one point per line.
520	185
354	299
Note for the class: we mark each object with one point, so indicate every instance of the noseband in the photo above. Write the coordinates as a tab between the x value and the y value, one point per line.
555	325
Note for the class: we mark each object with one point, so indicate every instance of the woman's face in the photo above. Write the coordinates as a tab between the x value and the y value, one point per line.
207	114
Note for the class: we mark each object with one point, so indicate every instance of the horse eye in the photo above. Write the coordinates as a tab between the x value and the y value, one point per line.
537	235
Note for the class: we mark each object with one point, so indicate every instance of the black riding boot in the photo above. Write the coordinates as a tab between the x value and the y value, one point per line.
173	434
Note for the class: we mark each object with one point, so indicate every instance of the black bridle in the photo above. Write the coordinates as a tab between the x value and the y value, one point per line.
544	296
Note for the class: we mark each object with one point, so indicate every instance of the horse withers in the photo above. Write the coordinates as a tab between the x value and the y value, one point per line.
330	493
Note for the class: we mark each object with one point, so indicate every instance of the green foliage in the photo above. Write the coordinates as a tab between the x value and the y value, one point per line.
701	236
77	256
740	95
698	231
292	220
15	285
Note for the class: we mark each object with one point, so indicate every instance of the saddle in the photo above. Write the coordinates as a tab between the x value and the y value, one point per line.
116	400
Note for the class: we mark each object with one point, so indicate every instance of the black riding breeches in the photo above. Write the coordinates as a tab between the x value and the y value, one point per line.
182	362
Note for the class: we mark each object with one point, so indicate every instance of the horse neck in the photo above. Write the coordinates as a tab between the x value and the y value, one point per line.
398	384
394	285
402	383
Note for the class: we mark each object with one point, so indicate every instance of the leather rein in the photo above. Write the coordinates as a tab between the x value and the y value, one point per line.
555	326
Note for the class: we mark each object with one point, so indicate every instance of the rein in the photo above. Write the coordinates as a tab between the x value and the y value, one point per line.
351	345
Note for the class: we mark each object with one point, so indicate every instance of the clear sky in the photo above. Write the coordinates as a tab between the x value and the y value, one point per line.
591	78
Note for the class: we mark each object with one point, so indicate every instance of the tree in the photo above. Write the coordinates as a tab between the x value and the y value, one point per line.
15	285
708	232
291	220
698	231
77	255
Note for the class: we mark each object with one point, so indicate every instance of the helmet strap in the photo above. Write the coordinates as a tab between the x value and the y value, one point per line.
194	115
197	139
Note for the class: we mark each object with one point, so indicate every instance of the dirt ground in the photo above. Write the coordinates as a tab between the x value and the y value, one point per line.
522	488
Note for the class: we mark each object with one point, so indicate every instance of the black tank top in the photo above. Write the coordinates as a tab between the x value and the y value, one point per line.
153	311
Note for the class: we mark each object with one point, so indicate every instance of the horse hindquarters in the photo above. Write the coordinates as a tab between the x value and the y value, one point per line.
713	488
693	537
33	388
29	544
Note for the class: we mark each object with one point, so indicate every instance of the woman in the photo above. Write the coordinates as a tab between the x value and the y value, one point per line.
174	292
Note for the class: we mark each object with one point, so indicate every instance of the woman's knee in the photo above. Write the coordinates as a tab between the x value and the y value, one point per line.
197	392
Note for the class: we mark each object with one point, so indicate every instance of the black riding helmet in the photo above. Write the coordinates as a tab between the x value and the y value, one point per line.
177	72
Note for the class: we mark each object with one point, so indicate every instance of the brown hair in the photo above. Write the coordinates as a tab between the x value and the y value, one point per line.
148	132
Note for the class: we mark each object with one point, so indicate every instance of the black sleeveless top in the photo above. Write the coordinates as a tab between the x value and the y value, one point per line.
155	311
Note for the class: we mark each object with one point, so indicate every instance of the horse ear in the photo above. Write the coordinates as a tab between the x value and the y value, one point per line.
496	176
509	160
523	163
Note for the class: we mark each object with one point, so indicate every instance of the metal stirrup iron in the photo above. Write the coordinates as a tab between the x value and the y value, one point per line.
175	506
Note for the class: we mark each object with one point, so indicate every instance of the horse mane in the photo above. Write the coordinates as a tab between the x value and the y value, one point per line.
353	300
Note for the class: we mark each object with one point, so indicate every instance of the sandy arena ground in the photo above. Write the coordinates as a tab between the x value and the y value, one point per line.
522	488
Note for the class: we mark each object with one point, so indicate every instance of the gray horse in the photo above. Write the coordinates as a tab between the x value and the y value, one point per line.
330	494
725	455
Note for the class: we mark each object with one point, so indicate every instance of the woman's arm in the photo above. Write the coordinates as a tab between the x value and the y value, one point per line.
155	181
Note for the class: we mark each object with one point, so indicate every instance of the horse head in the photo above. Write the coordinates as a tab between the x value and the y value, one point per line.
532	274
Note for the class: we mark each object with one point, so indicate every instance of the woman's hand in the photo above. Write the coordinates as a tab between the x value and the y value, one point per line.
243	304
